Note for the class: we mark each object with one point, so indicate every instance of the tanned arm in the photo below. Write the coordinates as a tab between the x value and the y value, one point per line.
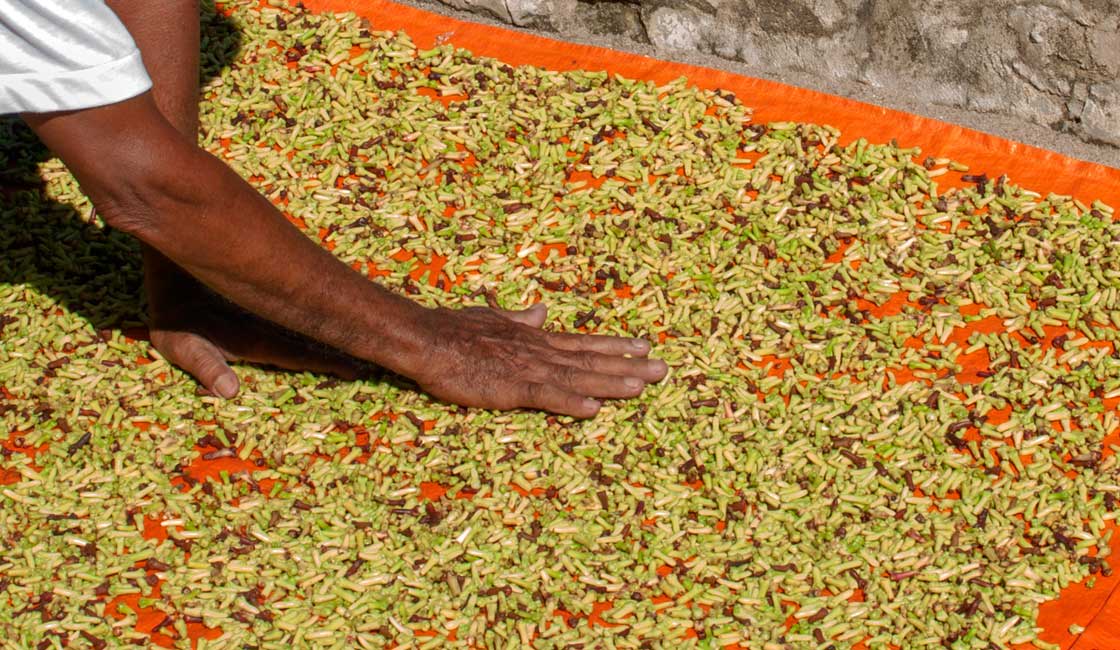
150	180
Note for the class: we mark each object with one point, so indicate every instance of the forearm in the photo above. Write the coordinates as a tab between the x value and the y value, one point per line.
232	239
150	181
167	34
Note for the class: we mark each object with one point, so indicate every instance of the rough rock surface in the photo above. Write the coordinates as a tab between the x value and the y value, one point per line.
540	14
1054	62
491	8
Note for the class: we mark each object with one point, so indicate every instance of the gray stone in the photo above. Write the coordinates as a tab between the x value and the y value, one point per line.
1054	62
492	8
541	14
613	17
678	28
1101	115
829	13
1104	45
819	36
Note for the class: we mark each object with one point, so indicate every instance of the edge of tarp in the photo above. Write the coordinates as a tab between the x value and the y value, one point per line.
1029	167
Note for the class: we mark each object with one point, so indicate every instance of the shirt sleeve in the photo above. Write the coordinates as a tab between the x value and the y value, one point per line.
65	55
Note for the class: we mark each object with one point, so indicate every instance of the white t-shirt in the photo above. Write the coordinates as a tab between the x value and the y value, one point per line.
65	55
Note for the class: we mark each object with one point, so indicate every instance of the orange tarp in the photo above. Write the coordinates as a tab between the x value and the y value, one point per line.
1096	609
1030	167
1027	166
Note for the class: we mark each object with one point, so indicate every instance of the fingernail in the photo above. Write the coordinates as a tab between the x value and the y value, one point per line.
591	403
638	344
633	382
226	386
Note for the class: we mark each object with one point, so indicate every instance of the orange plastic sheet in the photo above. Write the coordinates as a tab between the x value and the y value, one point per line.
1096	609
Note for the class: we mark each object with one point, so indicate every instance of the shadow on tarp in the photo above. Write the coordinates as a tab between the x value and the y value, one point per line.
92	270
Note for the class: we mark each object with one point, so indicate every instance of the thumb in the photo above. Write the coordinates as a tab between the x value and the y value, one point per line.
201	358
533	316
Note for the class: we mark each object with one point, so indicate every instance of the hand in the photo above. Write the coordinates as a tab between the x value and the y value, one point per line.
201	333
502	359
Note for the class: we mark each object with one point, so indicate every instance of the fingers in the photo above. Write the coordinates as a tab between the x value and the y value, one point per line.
613	345
310	361
646	369
595	384
533	316
199	357
549	397
499	364
301	355
536	315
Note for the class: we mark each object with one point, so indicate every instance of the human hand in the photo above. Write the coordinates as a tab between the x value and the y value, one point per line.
500	359
201	333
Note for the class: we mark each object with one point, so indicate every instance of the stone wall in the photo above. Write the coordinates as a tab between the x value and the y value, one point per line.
1053	62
